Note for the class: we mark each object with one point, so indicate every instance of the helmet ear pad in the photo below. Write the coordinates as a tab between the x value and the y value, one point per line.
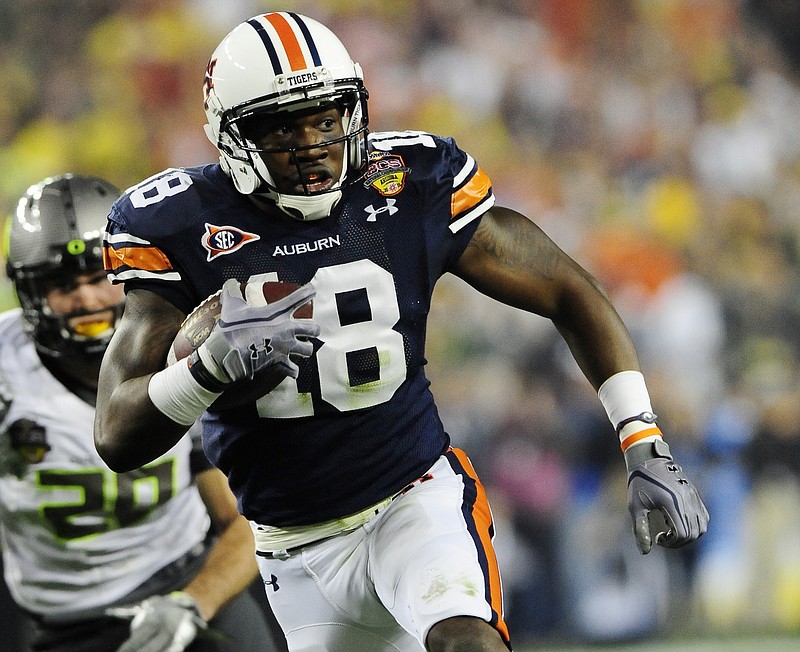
244	176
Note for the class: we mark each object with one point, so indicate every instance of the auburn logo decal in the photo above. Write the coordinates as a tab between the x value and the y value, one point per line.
221	240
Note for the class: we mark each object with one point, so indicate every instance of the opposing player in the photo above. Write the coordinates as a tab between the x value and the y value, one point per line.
147	560
372	532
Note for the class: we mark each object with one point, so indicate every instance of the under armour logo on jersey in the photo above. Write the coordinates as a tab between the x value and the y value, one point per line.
389	208
273	582
221	240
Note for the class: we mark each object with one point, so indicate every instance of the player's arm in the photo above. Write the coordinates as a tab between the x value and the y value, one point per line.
231	565
143	407
129	430
173	621
510	259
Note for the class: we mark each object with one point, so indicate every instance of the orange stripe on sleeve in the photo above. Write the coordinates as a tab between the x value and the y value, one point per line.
110	259
290	43
470	194
150	259
483	520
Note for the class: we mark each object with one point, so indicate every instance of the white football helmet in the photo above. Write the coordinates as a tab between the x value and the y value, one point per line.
283	62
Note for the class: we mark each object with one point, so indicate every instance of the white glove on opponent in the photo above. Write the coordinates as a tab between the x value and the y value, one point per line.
163	623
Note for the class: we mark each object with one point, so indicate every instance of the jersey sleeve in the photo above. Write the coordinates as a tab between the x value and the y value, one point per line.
472	192
455	190
468	195
471	197
133	256
445	169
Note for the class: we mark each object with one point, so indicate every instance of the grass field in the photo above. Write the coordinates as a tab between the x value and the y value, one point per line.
756	644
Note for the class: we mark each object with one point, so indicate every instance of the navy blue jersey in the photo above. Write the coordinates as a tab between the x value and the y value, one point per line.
359	422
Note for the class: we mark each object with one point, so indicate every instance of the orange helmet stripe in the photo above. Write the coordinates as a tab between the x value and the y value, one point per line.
291	45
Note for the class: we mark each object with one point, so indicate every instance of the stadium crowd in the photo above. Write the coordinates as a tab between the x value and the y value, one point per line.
655	140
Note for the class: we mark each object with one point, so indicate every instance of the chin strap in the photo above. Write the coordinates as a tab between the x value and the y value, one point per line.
308	209
303	209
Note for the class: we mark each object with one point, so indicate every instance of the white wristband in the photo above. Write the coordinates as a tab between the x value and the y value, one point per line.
625	398
623	395
176	393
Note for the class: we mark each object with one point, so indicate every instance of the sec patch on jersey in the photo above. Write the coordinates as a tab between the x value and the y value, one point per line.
198	325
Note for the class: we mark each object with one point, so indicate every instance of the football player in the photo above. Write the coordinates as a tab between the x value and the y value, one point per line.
372	532
146	560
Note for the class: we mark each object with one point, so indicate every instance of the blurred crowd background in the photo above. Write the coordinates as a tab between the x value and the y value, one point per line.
656	141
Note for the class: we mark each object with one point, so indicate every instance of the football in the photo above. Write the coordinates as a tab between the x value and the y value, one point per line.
198	324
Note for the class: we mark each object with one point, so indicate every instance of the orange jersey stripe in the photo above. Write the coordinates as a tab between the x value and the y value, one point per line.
483	520
470	194
150	259
290	43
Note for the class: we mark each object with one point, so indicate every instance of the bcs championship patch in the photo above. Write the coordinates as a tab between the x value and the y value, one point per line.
386	173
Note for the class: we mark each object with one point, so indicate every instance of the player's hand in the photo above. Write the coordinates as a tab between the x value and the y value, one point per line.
163	623
247	339
665	506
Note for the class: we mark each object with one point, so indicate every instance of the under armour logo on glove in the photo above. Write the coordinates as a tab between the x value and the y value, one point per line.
674	468
260	349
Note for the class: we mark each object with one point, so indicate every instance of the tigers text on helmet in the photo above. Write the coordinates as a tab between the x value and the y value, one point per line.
56	232
283	62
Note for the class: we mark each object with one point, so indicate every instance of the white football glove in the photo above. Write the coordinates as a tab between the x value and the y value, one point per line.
247	339
163	623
